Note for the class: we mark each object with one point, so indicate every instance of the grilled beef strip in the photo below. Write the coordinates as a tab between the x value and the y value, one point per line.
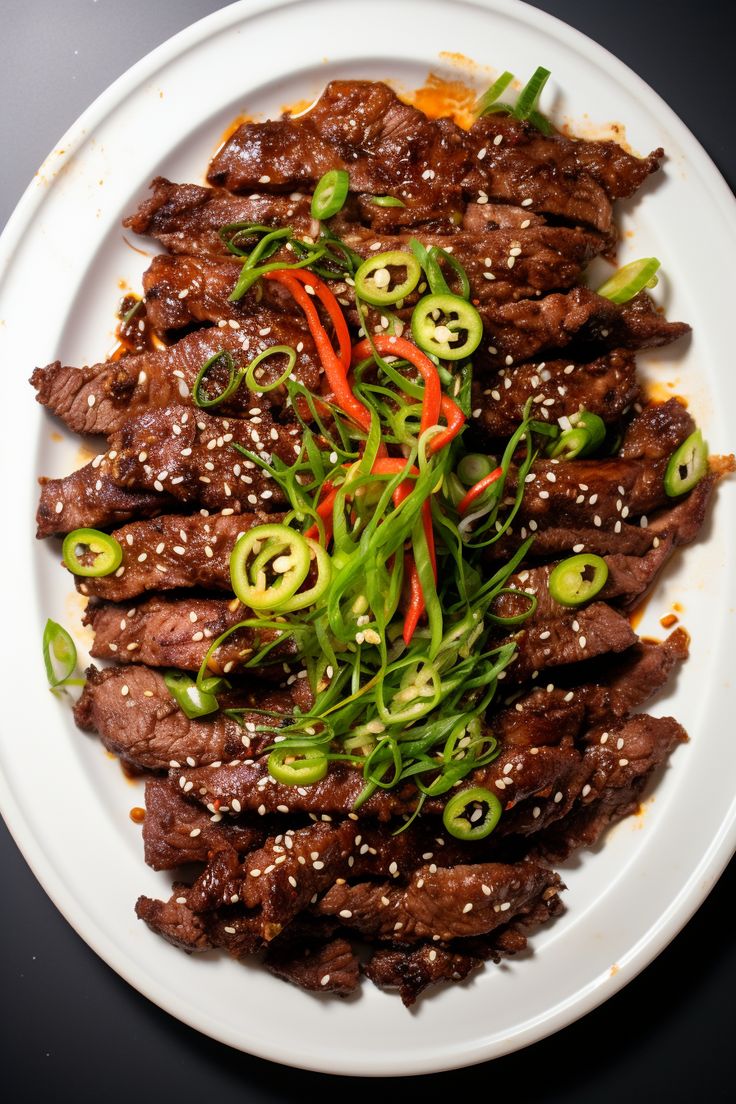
136	717
169	457
557	714
168	631
88	498
175	922
411	970
361	126
317	965
101	398
187	218
176	831
443	903
607	386
567	638
657	431
173	551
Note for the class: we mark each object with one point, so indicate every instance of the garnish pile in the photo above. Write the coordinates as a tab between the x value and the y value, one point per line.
379	486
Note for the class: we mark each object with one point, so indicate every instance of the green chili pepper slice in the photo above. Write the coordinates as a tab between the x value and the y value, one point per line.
569	445
443	339
593	425
297	766
387	201
324	574
195	701
330	194
687	465
373	279
630	280
472	814
106	550
578	579
273	550
58	646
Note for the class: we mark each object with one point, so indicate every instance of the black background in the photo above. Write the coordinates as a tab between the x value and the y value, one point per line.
70	1025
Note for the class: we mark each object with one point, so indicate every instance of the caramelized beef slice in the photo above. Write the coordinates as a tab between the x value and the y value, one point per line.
89	498
187	218
136	717
173	551
101	398
177	831
164	631
318	966
436	900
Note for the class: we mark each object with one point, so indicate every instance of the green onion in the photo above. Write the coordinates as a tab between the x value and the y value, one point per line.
530	93
330	194
687	465
578	579
387	201
473	467
235	378
108	555
59	656
192	699
630	280
490	96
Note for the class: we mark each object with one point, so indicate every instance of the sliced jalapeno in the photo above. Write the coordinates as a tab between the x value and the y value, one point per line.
195	701
268	565
570	444
106	550
594	426
330	194
301	766
472	814
439	322
630	280
687	465
373	279
578	579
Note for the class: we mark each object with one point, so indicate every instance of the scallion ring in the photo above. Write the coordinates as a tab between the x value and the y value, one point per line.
387	201
330	194
234	379
474	467
297	766
58	649
194	701
106	550
254	384
630	280
373	279
578	579
687	465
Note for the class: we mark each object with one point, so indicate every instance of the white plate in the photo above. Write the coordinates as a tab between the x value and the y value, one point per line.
66	802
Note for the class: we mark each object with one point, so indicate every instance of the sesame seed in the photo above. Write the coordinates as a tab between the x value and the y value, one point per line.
498	140
468	907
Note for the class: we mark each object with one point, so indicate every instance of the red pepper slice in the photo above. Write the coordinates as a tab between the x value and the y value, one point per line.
478	488
325	512
333	364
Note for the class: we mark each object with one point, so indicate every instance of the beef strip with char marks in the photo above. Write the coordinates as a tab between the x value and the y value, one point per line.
169	631
102	397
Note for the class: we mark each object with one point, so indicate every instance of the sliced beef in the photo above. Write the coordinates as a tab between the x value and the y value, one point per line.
318	966
175	922
177	632
563	177
88	498
136	717
186	218
387	146
177	831
619	761
579	319
557	714
606	386
411	970
569	637
684	521
443	903
100	398
657	431
173	551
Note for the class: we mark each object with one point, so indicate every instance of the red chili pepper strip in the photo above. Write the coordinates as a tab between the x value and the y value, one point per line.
333	365
389	345
478	488
455	419
325	512
416	605
331	305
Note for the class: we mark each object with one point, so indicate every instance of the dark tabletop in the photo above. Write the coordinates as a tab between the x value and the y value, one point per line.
72	1025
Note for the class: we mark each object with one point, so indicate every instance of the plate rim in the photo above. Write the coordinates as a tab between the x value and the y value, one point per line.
715	857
